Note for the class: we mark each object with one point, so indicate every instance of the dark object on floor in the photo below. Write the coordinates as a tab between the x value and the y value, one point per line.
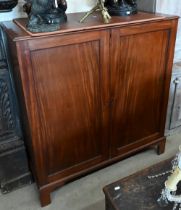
121	7
137	191
14	170
7	5
45	15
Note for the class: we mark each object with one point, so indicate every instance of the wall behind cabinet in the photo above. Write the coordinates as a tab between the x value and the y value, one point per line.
172	7
73	6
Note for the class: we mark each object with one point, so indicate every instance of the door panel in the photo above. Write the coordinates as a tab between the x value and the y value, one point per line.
137	87
69	93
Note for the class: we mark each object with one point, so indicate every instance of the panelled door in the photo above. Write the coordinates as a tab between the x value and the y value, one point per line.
138	69
70	76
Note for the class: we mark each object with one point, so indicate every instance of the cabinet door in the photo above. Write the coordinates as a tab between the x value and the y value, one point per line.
137	86
68	76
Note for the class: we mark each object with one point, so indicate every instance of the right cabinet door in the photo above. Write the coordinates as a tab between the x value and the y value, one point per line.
138	85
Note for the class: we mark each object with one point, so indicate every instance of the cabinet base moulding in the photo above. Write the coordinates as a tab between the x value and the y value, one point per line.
45	191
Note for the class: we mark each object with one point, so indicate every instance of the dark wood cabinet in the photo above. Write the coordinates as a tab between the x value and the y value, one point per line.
92	93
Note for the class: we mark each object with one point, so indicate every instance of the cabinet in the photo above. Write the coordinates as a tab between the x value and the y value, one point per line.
91	93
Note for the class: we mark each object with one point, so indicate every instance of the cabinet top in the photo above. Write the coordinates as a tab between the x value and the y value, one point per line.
16	29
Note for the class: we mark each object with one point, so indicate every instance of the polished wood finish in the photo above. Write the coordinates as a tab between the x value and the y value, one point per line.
74	95
137	85
92	94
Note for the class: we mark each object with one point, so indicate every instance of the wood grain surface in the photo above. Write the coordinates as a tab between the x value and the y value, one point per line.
92	93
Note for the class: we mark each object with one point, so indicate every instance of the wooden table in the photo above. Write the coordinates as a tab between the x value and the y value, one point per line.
138	192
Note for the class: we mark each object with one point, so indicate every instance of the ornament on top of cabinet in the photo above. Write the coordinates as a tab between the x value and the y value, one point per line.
7	5
121	7
101	8
45	15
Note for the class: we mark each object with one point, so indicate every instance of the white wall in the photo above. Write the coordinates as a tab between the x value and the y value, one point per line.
73	6
80	5
17	12
172	7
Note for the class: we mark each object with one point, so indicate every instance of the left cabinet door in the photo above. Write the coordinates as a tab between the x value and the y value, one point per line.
64	84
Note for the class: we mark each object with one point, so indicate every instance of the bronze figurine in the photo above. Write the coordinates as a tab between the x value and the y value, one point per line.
121	7
7	5
45	15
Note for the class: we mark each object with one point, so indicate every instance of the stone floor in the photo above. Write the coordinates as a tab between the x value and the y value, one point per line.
86	193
